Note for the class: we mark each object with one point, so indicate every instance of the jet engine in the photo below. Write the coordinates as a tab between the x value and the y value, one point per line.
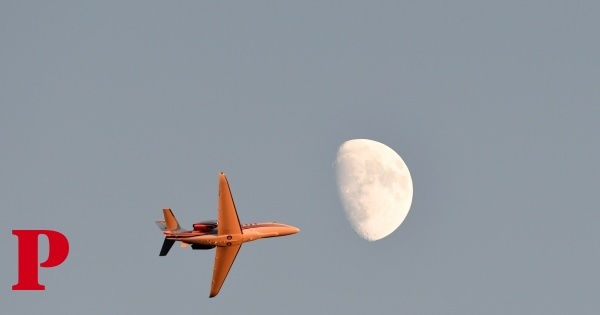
200	246
205	226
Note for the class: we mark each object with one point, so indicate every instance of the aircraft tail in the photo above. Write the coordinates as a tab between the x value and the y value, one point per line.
167	244
168	226
170	221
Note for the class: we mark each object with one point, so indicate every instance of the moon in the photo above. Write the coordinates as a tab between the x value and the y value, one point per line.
374	186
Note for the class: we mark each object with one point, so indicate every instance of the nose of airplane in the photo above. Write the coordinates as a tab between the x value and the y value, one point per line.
292	230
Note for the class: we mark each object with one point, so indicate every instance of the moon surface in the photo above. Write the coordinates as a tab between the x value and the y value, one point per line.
374	186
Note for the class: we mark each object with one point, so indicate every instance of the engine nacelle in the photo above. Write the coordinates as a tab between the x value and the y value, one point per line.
205	226
200	246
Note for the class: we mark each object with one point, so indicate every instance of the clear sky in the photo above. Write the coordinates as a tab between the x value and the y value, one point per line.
112	110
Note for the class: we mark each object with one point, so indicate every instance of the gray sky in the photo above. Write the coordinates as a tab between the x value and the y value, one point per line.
111	111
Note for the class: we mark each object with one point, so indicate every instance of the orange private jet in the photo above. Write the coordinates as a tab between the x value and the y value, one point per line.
226	234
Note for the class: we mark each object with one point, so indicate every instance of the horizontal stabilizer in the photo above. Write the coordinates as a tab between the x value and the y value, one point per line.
167	244
170	221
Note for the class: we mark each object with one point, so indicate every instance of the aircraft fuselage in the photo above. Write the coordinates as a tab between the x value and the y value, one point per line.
250	232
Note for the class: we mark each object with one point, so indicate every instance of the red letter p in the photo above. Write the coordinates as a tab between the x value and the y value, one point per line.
58	250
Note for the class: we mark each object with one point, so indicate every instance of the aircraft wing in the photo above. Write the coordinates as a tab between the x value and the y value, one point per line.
224	259
227	216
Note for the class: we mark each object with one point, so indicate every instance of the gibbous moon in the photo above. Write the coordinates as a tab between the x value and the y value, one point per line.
374	186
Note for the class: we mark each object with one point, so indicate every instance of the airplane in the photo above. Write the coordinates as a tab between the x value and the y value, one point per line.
226	234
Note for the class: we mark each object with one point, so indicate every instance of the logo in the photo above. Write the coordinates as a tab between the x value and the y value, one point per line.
28	260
